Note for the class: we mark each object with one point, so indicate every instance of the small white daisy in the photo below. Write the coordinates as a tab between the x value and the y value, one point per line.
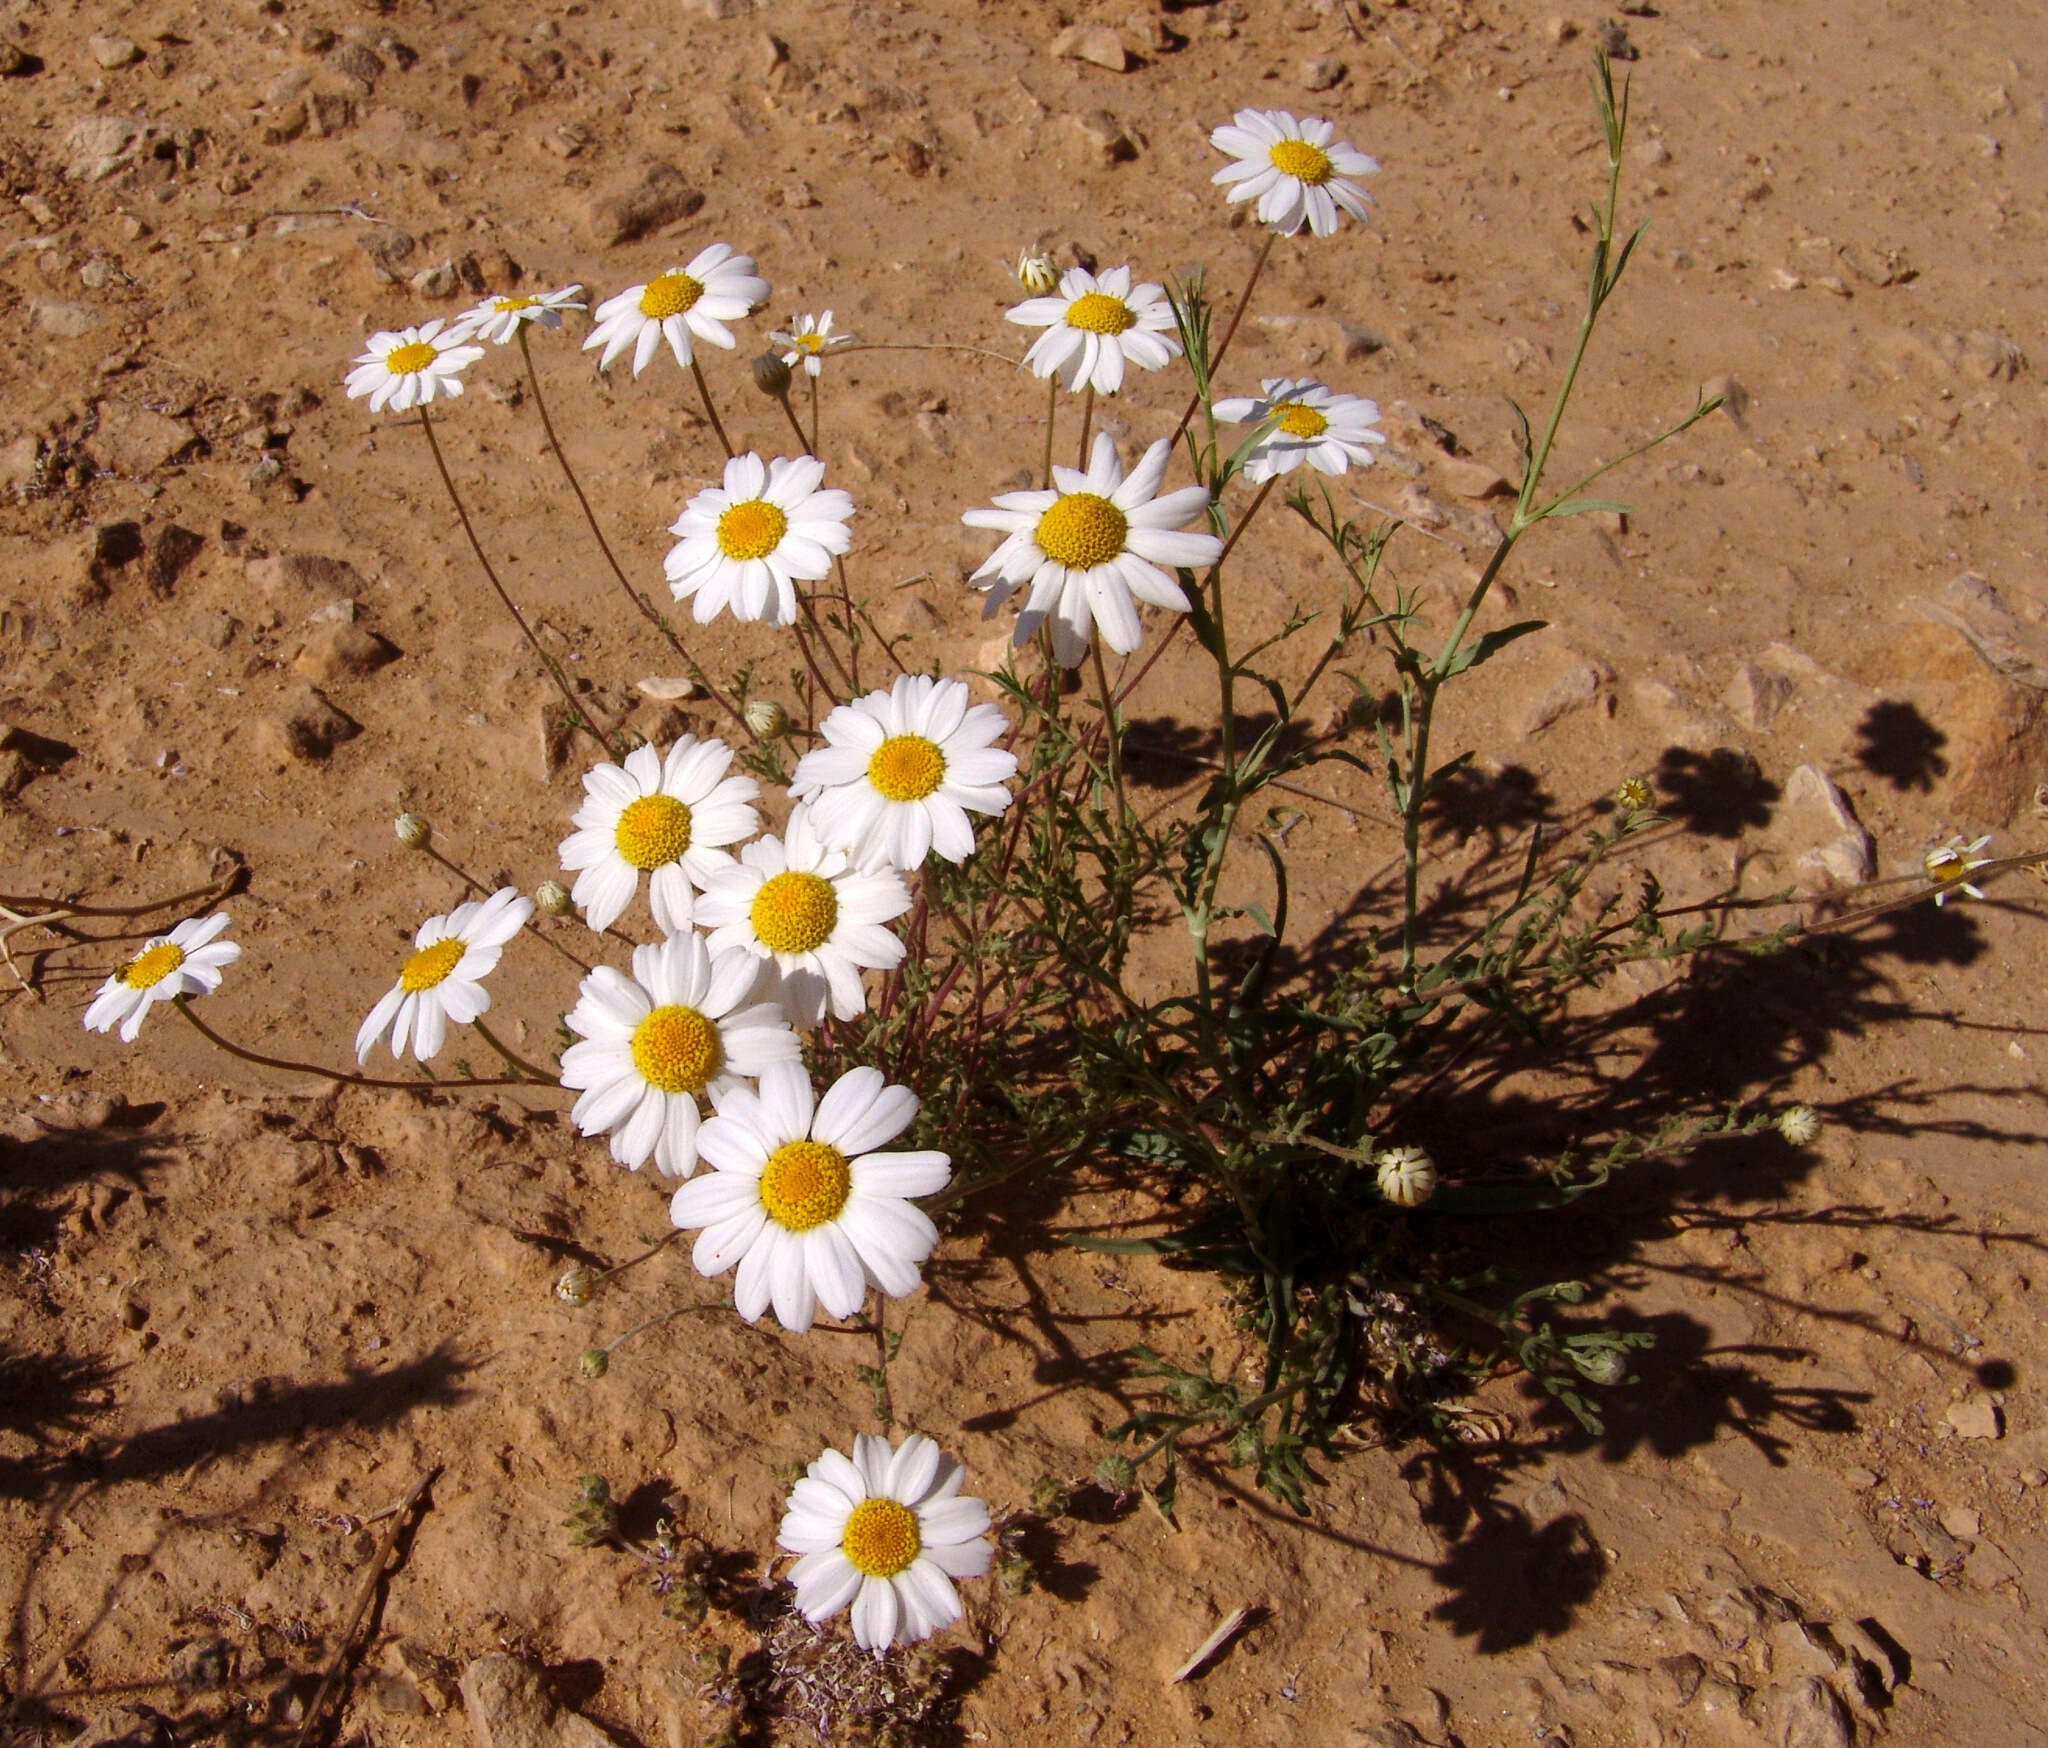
685	303
652	1044
809	338
412	366
1093	327
1091	550
668	818
1950	866
1294	169
800	1199
443	980
806	910
499	319
187	961
1309	423
887	1532
901	770
1406	1176
745	544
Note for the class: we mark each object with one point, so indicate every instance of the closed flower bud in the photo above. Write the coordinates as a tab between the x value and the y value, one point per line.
578	1282
551	898
1407	1178
594	1362
1605	1366
1117	1474
771	375
1799	1124
413	830
766	717
1036	273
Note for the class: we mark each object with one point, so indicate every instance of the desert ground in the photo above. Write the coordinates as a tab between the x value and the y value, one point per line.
242	1313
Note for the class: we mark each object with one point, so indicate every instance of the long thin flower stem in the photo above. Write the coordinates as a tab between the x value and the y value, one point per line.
809	445
1087	419
482	891
518	618
1116	755
1052	408
704	389
1229	333
814	412
518	1064
313	1068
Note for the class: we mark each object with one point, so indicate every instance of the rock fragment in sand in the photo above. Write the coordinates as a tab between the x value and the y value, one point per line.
1465	478
342	650
112	52
1096	44
63	321
1813	1716
111	547
201	1664
388	249
168	554
659	196
24	755
137	440
304	570
1817	814
1321	73
98	145
306	728
1104	135
508	1707
358	63
1756	695
1573	689
1976	1417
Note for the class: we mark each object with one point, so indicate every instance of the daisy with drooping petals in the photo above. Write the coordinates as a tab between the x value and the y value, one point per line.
1295	170
668	818
187	961
1091	550
746	544
809	338
798	1197
901	770
805	909
887	1532
443	980
654	1043
1309	423
412	366
499	319
1093	327
679	306
1950	866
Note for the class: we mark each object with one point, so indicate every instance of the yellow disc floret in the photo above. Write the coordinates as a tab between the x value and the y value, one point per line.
795	913
506	305
410	359
670	295
805	1184
1299	421
653	832
431	965
1099	313
906	767
881	1538
1082	531
752	529
1302	161
676	1050
151	966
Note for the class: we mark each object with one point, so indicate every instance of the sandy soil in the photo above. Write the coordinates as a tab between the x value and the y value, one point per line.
241	1314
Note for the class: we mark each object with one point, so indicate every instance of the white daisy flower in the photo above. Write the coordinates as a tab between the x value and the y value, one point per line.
1093	327
412	366
1092	550
809	338
499	319
887	1532
805	909
652	1044
187	961
901	770
1294	169
668	818
1406	1176
685	303
746	544
443	980
801	1201
1950	866
1310	423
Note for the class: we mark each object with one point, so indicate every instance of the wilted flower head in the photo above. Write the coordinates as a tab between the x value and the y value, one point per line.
1036	272
1950	866
1407	1177
1799	1124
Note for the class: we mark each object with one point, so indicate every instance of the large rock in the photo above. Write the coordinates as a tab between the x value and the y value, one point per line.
509	1707
136	440
626	211
1818	815
304	570
98	145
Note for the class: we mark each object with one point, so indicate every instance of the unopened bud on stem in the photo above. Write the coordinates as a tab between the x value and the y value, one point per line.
771	375
413	830
766	717
551	898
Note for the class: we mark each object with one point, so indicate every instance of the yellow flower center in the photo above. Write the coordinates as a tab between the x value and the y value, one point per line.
151	966
1299	421
506	305
670	295
1944	868
677	1050
795	913
881	1538
653	831
1302	161
810	342
1099	313
751	530
804	1184
431	965
409	360
906	767
1082	531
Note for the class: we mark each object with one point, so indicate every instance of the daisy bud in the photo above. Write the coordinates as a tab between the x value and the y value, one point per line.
594	1362
766	717
1117	1474
551	898
413	830
578	1281
771	375
1036	273
1407	1178
1799	1124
